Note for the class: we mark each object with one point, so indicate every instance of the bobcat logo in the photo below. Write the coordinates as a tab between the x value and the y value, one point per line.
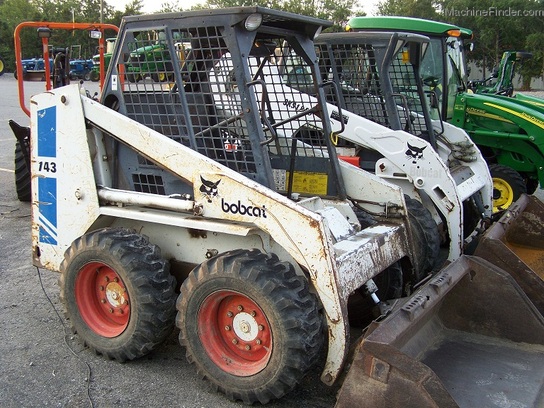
209	188
415	153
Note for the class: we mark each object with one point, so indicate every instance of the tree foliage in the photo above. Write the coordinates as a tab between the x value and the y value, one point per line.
12	12
498	25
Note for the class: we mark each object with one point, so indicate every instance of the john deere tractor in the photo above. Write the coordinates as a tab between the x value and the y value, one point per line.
508	130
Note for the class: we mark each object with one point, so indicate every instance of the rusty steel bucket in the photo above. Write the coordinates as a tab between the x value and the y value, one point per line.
470	337
516	244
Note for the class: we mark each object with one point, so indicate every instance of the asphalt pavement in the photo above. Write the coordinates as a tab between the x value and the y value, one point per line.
42	364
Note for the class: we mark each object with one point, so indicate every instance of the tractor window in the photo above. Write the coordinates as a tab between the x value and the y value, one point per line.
454	73
432	69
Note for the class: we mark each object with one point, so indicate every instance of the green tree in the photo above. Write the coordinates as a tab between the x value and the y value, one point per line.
410	8
337	11
12	12
497	25
533	67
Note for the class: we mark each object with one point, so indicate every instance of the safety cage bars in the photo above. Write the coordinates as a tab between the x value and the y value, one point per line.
185	84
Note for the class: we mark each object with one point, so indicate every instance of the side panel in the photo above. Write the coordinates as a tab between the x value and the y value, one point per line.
63	189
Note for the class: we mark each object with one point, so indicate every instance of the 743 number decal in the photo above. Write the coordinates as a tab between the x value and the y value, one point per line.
47	166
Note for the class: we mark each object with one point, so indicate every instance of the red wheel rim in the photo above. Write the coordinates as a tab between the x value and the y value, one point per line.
235	333
102	299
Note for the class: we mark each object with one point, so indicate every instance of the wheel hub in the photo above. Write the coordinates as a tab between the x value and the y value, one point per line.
102	299
115	294
503	195
245	326
235	333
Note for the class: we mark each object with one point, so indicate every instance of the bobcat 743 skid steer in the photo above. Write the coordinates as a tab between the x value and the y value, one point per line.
155	184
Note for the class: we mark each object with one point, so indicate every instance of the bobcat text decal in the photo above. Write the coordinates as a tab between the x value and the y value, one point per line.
209	190
239	208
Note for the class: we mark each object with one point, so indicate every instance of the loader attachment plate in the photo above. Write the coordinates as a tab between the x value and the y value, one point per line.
516	244
470	337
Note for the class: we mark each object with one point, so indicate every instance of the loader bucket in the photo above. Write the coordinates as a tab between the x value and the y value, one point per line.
470	337
516	244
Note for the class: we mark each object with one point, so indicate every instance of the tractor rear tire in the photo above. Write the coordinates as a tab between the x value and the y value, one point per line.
508	186
118	293
22	175
250	325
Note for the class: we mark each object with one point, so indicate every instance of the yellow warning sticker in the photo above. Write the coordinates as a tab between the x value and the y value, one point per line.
310	183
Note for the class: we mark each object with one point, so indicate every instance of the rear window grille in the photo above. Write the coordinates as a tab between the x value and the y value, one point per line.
148	183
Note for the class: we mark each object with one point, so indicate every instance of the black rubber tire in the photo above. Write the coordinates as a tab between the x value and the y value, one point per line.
87	76
290	310
531	185
22	175
426	236
2	66
94	76
508	186
147	283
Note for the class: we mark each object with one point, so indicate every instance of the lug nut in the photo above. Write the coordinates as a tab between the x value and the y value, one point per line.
107	279
229	314
248	347
258	341
111	310
116	279
234	341
253	313
227	328
101	287
240	308
103	300
261	327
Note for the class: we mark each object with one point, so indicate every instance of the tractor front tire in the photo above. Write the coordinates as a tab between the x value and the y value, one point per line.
118	293
250	325
508	186
22	175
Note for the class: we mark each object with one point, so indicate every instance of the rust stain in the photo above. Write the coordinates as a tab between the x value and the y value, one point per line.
534	258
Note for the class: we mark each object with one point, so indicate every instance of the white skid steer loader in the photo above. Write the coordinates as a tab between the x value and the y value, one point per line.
154	185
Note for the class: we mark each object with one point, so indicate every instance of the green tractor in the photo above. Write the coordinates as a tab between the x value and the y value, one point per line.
503	75
95	72
508	130
153	60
